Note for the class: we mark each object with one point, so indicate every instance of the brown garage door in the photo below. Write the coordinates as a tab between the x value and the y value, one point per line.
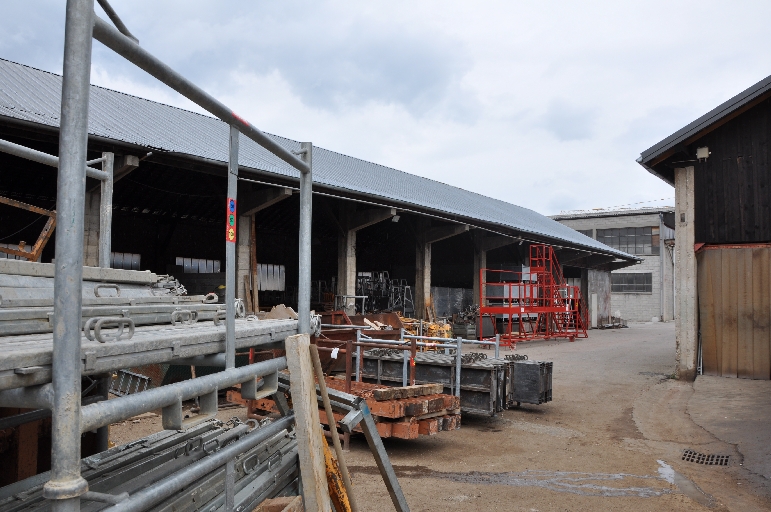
734	286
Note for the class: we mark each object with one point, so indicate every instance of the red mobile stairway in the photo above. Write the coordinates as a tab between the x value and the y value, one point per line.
535	303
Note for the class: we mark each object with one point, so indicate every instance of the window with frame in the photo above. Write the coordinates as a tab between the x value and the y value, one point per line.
641	241
631	283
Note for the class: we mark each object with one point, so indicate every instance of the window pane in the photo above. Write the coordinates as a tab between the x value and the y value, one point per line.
631	282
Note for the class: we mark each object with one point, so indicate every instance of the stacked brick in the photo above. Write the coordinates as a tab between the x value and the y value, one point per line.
404	413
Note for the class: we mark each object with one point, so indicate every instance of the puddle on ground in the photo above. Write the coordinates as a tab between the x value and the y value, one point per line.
684	485
585	484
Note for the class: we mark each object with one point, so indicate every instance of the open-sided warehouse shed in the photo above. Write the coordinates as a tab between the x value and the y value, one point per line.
170	185
719	166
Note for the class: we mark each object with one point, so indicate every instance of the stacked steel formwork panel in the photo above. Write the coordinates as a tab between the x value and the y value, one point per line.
55	342
49	344
535	303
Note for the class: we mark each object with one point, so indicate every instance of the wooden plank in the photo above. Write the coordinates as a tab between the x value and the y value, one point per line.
407	391
729	324
708	282
761	301
302	385
248	295
26	445
283	504
744	352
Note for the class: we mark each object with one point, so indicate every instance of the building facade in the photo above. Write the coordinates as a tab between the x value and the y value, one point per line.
643	292
719	167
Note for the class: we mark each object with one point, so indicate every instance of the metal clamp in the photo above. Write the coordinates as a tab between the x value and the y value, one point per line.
184	316
100	286
219	316
210	298
206	449
193	444
255	458
240	308
273	462
98	323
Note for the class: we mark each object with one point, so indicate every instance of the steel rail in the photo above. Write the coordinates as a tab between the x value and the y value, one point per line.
46	159
110	12
131	51
110	411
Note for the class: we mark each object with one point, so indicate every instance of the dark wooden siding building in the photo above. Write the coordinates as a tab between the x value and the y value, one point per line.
719	165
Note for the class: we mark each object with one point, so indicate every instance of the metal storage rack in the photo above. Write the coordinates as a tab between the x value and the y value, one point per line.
52	339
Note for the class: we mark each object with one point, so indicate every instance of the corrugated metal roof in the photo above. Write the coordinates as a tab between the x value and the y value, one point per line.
716	114
613	213
33	95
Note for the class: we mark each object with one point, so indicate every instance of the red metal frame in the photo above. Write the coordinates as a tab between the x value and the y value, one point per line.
535	305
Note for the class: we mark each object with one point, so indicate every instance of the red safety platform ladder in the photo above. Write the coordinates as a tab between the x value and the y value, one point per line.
533	303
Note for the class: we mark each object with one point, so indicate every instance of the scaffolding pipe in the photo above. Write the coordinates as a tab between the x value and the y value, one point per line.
306	213
230	289
66	484
105	210
144	60
230	249
116	20
111	411
44	158
176	482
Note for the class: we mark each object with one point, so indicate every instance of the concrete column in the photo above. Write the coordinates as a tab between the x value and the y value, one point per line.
422	278
686	312
346	263
91	229
243	259
426	236
350	221
480	262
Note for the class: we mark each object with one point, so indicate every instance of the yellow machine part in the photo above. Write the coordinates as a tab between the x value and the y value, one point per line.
335	481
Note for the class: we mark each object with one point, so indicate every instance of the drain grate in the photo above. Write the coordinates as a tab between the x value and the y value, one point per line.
703	458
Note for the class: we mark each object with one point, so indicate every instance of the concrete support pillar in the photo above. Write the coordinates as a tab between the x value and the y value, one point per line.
350	221
243	256
686	312
480	262
91	229
425	236
250	202
422	278
346	263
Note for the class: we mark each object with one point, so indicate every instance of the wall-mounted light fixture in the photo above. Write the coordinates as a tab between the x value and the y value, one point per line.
395	218
702	154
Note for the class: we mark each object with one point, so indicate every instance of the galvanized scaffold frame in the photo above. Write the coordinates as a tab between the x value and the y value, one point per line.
63	395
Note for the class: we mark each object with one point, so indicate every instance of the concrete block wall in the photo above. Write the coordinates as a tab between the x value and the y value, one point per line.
639	307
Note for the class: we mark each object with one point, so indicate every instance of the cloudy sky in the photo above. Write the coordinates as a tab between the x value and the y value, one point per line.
542	104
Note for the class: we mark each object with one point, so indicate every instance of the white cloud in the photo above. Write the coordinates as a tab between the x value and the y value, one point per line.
543	104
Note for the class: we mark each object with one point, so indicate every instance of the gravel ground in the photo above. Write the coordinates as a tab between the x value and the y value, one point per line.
611	439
